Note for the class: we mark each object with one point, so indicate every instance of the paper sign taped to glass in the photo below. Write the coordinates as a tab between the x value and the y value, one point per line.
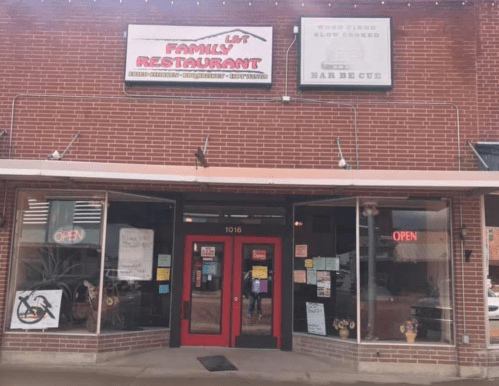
323	284
332	264
311	276
260	272
163	274
36	309
210	268
164	288
320	263
316	321
301	250
135	253
207	251
309	263
300	276
164	260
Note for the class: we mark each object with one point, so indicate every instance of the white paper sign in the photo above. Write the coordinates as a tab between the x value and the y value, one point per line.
135	254
311	276
36	309
346	52
332	264
319	263
164	260
195	54
316	321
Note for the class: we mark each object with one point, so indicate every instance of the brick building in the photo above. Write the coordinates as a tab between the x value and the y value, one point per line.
296	175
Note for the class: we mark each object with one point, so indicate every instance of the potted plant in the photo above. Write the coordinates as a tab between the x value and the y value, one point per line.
410	329
343	325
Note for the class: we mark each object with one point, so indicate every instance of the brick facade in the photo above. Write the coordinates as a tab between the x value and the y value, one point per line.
61	71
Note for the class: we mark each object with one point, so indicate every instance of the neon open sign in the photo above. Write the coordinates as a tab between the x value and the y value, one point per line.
404	236
69	235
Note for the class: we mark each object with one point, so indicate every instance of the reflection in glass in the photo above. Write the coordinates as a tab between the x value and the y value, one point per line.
492	265
405	273
258	270
206	288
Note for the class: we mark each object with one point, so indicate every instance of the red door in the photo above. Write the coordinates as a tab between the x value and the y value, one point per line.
231	291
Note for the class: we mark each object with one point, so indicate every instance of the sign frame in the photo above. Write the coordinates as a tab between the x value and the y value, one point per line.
200	81
307	85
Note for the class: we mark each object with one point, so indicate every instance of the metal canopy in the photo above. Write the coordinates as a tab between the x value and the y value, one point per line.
114	172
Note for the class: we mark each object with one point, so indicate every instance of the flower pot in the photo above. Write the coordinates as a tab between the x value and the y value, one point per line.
344	333
410	336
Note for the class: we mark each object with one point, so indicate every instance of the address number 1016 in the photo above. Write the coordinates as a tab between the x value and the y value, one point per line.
233	229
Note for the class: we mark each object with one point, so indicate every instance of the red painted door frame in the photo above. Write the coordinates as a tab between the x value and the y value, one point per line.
237	285
232	290
222	339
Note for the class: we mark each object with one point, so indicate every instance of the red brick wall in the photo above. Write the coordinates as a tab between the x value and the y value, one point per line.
36	342
78	48
487	71
336	350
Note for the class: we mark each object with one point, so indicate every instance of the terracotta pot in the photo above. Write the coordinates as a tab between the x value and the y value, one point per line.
410	336
344	333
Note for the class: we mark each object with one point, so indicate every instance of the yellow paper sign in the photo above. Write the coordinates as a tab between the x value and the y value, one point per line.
163	274
259	272
309	263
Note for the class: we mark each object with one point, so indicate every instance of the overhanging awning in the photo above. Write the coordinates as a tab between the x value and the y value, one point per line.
116	172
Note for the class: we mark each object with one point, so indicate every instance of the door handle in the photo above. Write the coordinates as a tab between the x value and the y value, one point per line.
186	308
236	299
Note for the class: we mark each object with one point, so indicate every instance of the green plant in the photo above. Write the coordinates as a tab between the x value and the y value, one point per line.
53	272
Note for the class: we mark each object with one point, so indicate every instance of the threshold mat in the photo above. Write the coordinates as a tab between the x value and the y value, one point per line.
216	363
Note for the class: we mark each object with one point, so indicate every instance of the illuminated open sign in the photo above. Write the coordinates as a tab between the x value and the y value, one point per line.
404	236
69	235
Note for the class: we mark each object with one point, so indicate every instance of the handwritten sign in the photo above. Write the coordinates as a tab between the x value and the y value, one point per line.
135	254
316	321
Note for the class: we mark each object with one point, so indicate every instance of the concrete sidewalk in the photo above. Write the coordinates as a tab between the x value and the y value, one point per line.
271	365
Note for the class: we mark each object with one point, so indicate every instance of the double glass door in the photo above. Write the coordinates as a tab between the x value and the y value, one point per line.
231	292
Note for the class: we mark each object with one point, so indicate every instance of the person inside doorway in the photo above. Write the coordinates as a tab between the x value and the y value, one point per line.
252	289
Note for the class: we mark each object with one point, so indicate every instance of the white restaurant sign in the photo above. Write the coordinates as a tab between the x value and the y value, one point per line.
346	53
188	54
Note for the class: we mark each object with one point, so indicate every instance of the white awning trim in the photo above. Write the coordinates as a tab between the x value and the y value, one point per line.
93	171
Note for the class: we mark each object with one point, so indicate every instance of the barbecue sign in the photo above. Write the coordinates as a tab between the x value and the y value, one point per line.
36	309
185	54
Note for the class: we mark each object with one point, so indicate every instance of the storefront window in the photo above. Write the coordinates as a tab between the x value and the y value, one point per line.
492	265
56	266
405	271
325	269
56	250
138	264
